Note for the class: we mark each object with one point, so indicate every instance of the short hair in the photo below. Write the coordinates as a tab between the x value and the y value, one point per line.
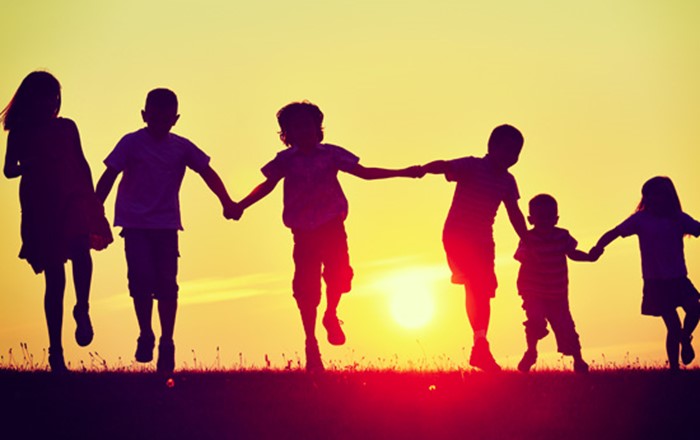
289	115
161	99
543	204
506	136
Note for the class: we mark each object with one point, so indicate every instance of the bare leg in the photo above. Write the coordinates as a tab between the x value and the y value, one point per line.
82	277
167	310
478	312
308	319
144	312
332	301
55	277
673	338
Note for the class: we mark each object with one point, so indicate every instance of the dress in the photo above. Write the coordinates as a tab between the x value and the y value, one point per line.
58	201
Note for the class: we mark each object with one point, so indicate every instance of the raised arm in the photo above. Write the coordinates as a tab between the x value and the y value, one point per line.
516	217
258	193
105	184
384	173
436	167
579	255
606	239
216	185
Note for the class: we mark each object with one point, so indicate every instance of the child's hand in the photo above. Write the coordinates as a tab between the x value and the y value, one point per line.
98	242
232	211
415	172
595	253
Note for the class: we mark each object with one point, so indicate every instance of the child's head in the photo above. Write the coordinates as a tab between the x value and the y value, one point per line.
301	124
659	197
543	211
160	113
37	99
505	145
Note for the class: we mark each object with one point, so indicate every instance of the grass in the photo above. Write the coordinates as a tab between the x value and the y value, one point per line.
350	401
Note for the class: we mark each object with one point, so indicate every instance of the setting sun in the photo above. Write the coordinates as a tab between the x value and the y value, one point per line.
410	294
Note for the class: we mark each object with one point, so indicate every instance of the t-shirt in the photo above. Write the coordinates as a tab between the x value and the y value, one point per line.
481	187
148	194
543	270
312	193
660	242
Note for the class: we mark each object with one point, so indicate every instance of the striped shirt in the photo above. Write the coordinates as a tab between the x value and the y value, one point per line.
543	272
481	187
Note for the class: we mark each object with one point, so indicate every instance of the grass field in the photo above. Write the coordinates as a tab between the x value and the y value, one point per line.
615	404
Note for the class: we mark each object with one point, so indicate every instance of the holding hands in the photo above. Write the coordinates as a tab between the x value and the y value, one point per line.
232	210
595	252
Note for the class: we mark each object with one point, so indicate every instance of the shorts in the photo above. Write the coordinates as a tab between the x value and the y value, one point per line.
151	259
321	253
539	311
472	263
664	296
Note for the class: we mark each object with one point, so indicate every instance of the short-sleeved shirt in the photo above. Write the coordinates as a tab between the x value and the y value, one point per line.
543	271
481	187
660	242
312	193
148	194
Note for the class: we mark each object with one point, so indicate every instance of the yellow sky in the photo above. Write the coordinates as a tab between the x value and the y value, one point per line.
605	93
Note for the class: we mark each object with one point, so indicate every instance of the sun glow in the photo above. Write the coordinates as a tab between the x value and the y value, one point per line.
410	293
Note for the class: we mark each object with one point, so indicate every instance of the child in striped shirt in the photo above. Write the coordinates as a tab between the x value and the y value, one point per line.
543	282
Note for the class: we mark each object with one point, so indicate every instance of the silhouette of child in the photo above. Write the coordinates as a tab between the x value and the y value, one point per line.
315	209
153	162
661	224
482	184
543	282
61	216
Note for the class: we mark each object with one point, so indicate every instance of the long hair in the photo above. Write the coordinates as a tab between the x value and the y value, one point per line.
37	99
659	197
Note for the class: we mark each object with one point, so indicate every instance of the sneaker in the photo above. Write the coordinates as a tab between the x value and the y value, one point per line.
83	329
687	352
56	361
528	360
166	357
580	366
314	364
482	358
144	348
335	332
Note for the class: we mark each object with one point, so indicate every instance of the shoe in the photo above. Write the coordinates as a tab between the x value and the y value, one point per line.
314	364
482	358
335	332
166	357
580	366
687	352
83	329
56	361
528	360
144	348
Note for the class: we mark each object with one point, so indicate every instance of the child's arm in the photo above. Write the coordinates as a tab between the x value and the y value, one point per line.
216	185
258	193
579	255
105	184
384	173
516	217
12	166
597	250
436	167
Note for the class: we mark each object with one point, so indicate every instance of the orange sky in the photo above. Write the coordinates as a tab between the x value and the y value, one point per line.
605	93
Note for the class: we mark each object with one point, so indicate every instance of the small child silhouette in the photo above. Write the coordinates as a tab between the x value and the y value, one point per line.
543	282
61	215
661	224
482	184
153	162
315	209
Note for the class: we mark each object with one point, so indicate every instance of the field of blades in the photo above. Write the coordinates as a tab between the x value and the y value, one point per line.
625	403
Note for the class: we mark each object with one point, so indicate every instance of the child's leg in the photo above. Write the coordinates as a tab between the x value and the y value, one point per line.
478	311
167	310
82	277
55	277
673	337
143	306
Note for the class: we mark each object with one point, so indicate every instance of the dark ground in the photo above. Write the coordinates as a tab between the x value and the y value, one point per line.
616	404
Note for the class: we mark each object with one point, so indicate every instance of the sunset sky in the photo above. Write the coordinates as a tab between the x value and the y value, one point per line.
606	94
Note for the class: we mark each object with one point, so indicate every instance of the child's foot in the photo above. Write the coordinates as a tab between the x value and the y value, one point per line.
314	364
528	360
580	366
83	329
144	348
482	358
335	332
56	361
166	357
687	352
